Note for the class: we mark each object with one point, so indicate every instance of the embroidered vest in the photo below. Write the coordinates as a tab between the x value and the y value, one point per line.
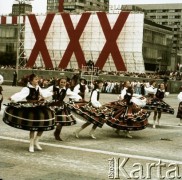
33	95
58	95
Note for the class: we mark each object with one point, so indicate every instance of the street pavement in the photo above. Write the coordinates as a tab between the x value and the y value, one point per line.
150	154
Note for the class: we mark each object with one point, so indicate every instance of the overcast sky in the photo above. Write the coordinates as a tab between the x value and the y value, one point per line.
39	6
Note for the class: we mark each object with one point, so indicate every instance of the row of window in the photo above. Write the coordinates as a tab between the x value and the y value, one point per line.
154	37
165	17
151	53
165	23
164	10
7	47
7	33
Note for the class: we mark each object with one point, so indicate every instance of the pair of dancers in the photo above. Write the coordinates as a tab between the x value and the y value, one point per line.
124	114
28	110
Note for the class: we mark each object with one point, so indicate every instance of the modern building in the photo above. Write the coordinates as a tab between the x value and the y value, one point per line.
11	39
157	44
169	15
8	44
77	6
21	8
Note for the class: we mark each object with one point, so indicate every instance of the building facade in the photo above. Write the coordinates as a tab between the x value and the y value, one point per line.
169	15
157	44
11	38
77	6
21	8
8	44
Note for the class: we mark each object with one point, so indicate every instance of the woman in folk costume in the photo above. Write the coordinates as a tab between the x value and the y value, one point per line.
93	111
1	89
81	88
127	113
121	97
31	114
179	113
150	92
161	106
155	102
63	116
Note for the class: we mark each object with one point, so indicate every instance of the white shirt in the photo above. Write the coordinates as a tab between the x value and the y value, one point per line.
77	88
94	100
19	96
69	93
123	93
150	90
180	96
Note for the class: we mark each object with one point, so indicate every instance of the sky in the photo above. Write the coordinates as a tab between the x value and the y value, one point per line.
39	6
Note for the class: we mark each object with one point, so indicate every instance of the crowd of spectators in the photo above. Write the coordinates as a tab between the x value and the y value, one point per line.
171	75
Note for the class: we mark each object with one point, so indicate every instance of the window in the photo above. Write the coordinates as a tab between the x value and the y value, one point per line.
9	47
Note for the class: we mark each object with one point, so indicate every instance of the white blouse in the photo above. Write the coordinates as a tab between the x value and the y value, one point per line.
74	96
94	100
77	89
150	90
180	96
123	93
19	96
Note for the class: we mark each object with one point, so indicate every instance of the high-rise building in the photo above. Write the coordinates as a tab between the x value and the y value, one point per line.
21	8
77	6
169	15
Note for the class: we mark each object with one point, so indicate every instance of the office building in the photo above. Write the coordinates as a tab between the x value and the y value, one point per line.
21	8
169	15
77	6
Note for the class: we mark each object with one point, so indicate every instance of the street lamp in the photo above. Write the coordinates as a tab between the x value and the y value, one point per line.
18	33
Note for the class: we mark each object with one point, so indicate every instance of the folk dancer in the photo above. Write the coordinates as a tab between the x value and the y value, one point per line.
127	113
179	113
32	114
81	88
63	116
1	89
92	111
155	102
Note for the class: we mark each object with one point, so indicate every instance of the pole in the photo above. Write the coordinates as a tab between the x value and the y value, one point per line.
18	35
18	42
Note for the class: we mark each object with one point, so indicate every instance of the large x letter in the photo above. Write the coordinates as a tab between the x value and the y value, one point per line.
74	35
40	35
111	36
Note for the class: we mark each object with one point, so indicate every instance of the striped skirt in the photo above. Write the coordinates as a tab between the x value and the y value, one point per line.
127	117
91	114
154	104
39	118
63	116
